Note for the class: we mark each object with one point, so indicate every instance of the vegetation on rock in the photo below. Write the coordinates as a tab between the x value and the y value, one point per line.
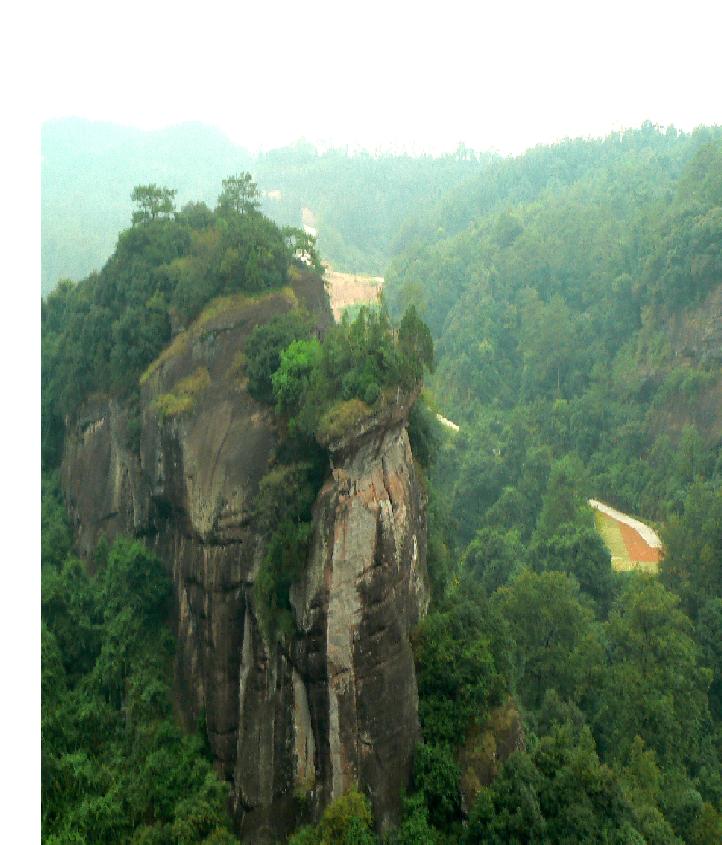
101	334
323	390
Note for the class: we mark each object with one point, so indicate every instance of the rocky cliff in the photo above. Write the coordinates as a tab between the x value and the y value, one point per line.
291	723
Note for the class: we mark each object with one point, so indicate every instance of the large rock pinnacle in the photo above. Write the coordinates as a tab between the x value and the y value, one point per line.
291	724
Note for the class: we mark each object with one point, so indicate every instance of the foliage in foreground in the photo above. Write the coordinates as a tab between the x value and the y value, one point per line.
346	821
561	382
358	364
622	727
115	767
559	301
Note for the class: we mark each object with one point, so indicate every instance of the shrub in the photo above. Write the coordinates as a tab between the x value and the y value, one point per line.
181	400
436	776
346	821
264	347
342	418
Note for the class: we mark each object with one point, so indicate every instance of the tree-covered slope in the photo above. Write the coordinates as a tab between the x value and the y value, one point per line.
101	333
577	328
359	201
87	174
586	319
575	300
574	295
115	765
194	388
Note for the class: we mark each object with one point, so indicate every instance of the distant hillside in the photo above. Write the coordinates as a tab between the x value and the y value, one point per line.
359	201
575	298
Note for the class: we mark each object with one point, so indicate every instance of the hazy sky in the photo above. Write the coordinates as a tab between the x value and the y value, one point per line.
415	76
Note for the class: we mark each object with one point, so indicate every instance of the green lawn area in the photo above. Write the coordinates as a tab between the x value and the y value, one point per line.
613	540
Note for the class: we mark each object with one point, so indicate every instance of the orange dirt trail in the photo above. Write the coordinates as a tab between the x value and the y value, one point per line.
638	548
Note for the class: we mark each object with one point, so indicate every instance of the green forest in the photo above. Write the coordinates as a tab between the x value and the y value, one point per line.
116	765
573	296
564	308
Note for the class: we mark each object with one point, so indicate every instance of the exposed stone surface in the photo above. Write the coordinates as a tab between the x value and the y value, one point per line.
695	334
102	477
290	725
364	588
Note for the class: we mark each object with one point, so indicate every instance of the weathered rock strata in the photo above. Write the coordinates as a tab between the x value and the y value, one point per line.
291	725
364	588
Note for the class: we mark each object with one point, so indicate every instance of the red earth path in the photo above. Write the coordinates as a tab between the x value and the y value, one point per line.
638	548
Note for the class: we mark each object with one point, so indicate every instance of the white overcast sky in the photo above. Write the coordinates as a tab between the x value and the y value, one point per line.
390	75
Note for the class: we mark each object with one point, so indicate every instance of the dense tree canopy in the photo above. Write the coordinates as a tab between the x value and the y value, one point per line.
153	202
359	201
100	334
563	290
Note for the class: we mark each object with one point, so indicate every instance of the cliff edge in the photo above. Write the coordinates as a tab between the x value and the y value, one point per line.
292	723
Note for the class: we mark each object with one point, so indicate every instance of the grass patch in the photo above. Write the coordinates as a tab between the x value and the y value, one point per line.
194	383
214	309
341	418
238	364
171	405
623	560
176	347
181	400
234	301
610	532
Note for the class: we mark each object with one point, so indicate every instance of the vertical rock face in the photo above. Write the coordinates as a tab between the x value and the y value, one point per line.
364	589
337	706
292	725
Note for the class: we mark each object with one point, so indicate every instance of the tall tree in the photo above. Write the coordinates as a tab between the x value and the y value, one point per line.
153	202
240	193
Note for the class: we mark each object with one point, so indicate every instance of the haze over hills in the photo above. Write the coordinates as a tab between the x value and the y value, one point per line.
90	169
576	291
319	566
